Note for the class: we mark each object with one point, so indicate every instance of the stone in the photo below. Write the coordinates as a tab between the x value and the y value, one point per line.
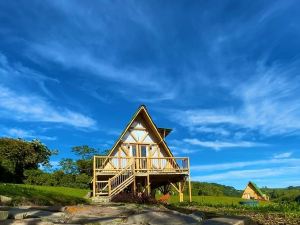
5	199
199	216
3	215
229	221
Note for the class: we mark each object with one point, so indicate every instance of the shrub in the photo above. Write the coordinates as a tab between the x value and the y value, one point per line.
131	198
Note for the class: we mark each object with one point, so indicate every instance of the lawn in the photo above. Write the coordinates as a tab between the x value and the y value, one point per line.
215	206
43	195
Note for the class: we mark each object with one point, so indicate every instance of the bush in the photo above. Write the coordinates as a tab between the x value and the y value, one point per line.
57	178
131	198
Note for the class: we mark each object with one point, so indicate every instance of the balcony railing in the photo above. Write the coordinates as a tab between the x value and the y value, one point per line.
104	164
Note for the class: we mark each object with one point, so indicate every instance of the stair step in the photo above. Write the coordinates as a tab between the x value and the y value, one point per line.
101	199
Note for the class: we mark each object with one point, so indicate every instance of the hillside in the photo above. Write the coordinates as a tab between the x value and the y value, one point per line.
213	189
42	195
288	194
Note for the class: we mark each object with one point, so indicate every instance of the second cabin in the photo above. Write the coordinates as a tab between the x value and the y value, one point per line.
140	162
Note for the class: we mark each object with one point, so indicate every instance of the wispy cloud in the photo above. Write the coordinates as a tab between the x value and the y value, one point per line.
267	104
217	145
34	108
283	155
16	73
214	130
21	133
248	174
237	165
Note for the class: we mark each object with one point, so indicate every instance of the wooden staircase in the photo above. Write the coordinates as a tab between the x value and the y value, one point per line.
108	189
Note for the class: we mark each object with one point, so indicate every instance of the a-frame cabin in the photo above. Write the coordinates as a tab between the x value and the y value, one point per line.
253	192
140	161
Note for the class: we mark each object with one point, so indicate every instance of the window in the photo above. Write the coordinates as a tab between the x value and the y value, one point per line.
143	151
133	150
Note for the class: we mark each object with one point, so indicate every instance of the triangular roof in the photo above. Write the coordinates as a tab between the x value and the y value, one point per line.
256	188
140	110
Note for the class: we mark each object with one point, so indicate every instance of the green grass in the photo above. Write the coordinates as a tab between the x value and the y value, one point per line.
209	200
43	195
232	203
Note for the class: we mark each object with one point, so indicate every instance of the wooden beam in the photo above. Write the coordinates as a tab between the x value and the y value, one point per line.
180	192
94	177
148	184
177	189
190	188
133	136
144	137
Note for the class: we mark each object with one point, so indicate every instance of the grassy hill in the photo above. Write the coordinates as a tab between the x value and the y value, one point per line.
213	189
289	194
43	195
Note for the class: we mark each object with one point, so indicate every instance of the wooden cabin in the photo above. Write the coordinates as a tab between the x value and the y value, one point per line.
140	162
253	192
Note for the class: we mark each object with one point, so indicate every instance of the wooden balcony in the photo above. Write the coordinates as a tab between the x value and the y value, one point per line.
104	165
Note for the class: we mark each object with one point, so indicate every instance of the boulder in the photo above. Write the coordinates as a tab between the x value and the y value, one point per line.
5	199
3	215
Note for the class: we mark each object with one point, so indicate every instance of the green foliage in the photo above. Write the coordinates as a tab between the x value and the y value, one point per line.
85	166
290	194
212	189
17	155
57	178
43	195
85	152
68	166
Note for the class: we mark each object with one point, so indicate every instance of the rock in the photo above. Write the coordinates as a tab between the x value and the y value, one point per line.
229	221
197	216
33	221
5	199
166	217
20	213
3	215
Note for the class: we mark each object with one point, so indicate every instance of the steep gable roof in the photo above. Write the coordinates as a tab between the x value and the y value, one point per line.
256	188
143	110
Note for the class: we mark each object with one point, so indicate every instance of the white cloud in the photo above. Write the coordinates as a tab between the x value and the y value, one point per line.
34	108
21	133
81	59
236	165
248	174
283	155
268	103
222	144
215	130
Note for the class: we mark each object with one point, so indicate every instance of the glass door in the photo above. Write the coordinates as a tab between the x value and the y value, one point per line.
143	155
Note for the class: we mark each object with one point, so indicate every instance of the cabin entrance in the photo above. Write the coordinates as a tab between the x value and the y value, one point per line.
140	153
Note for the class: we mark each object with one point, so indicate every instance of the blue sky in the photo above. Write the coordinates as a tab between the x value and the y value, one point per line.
223	74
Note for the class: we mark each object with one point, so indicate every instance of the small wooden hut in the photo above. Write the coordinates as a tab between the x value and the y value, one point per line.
253	192
139	162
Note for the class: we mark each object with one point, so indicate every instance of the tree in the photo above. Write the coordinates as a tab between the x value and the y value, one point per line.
17	155
68	166
85	152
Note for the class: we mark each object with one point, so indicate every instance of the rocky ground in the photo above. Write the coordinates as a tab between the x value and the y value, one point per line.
112	214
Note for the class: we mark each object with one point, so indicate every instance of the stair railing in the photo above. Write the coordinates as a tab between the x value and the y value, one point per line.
121	180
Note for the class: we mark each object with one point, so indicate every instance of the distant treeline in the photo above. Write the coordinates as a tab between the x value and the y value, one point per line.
283	194
21	162
213	189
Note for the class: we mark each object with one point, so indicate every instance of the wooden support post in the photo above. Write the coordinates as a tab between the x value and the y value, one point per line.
148	184
109	187
190	187
134	186
180	192
94	177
